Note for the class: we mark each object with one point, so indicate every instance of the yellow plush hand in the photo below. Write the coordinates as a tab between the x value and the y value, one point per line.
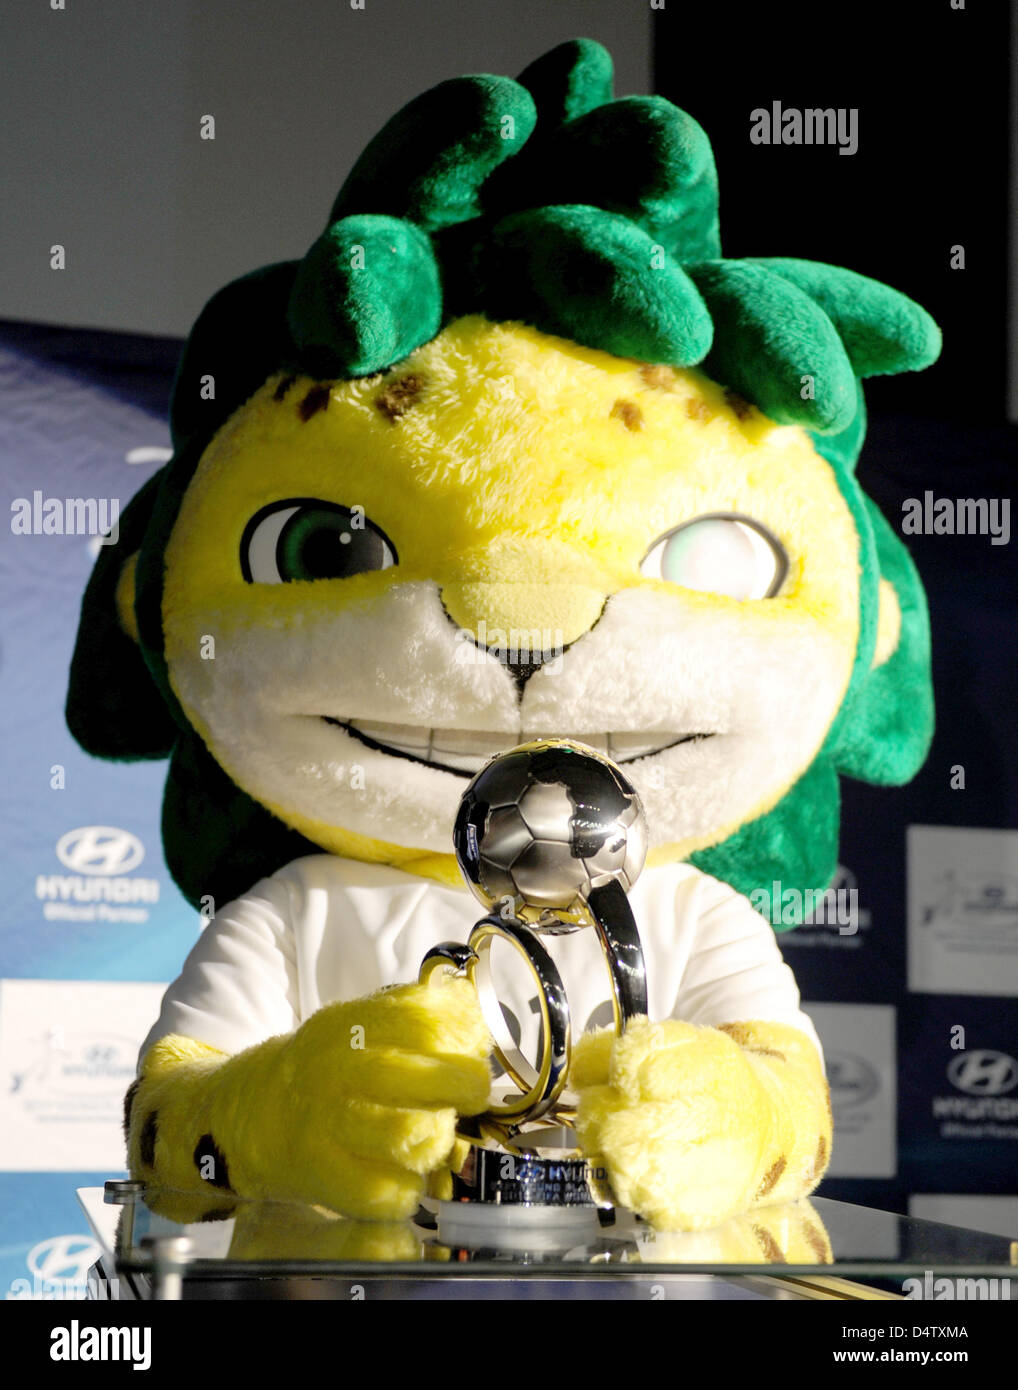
695	1126
352	1111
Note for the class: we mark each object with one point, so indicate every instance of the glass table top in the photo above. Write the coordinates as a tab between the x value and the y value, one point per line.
214	1238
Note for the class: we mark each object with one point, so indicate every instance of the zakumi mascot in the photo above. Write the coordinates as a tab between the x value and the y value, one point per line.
512	388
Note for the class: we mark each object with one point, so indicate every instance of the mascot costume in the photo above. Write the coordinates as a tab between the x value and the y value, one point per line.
513	451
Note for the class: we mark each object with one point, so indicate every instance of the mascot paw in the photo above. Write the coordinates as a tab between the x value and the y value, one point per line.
679	1118
377	1085
355	1111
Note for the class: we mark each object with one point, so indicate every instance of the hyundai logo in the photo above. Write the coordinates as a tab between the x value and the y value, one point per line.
983	1072
853	1080
63	1259
100	849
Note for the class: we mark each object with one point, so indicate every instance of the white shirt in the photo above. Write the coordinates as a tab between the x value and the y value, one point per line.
324	929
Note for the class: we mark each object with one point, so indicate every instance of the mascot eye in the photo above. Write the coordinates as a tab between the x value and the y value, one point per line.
307	539
719	555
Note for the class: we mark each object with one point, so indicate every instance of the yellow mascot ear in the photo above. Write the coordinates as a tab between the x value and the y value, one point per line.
114	707
123	597
888	624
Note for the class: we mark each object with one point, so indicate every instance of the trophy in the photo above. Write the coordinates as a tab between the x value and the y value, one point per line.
550	836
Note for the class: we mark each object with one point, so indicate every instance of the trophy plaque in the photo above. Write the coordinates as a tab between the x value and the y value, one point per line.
550	836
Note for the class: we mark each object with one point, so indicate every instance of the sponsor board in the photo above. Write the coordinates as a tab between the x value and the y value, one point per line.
98	885
959	1122
859	1050
980	1100
68	1051
962	910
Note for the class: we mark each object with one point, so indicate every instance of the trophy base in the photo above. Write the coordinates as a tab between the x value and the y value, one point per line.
541	1232
539	1170
545	1202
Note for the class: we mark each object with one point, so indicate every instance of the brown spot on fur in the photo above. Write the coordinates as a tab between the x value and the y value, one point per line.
218	1214
661	377
769	1245
816	1242
821	1158
737	403
397	398
768	1052
770	1178
697	409
283	387
316	399
631	415
743	1035
147	1140
132	1091
205	1149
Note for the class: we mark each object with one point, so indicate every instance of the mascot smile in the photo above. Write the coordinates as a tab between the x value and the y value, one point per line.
512	452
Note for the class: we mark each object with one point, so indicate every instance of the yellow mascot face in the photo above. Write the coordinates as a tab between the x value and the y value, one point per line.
374	585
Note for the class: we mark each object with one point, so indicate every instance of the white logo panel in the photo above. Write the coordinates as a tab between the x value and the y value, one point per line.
962	910
859	1049
68	1052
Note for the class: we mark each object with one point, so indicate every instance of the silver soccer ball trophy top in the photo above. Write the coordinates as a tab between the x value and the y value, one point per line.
542	825
550	837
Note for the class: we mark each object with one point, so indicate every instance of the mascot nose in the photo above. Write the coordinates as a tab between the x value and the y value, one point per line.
524	624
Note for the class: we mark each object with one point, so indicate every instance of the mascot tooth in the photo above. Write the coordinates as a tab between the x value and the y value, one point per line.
511	451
